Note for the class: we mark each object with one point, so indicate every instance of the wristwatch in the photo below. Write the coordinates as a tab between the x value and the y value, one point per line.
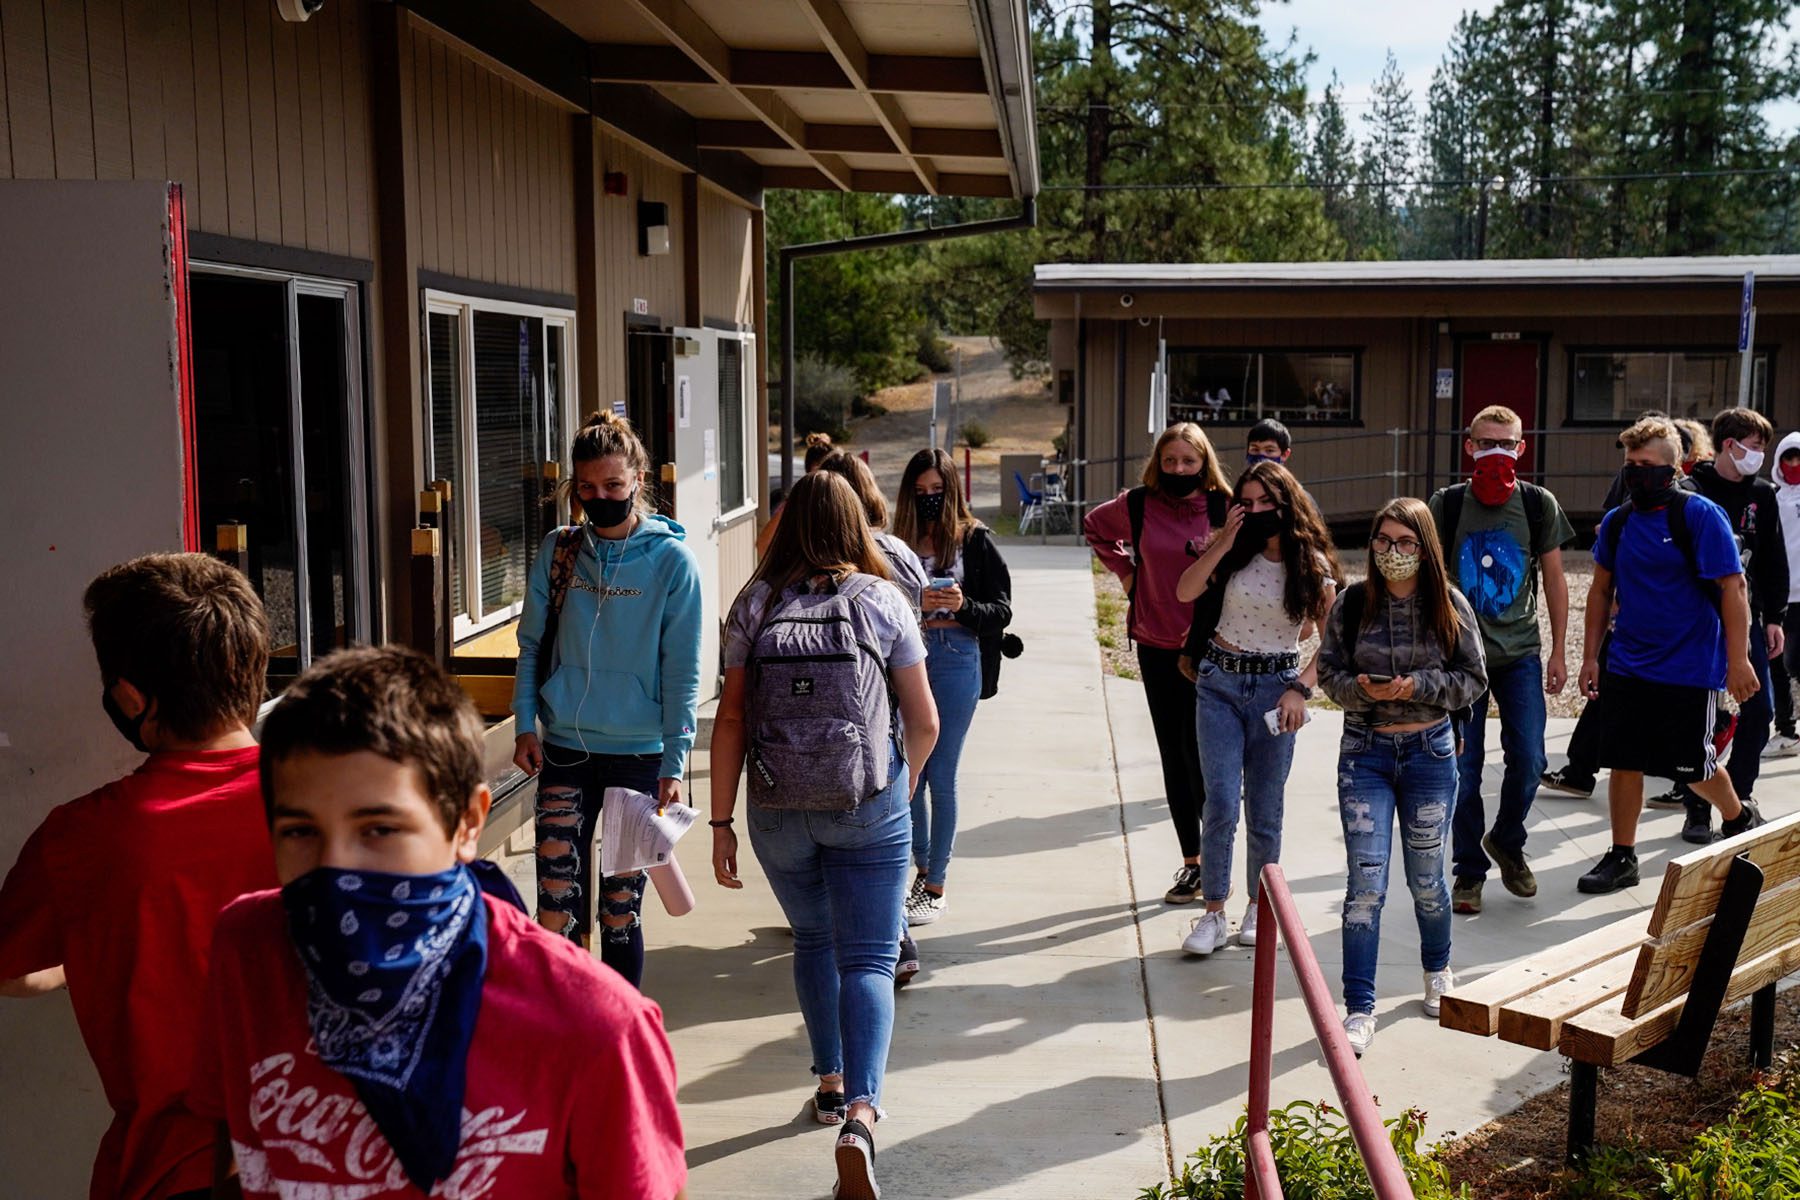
1306	693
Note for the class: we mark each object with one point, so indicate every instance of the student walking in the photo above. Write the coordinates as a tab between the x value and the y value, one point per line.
1148	536
909	577
966	609
391	1020
1500	536
816	644
116	894
1269	573
1401	653
818	449
1733	481
1785	470
609	667
1682	633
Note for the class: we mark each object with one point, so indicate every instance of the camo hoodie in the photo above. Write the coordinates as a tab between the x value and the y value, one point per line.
1397	644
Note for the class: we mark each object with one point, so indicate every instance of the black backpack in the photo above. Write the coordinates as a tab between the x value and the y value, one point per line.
1135	499
1356	595
1451	502
1679	533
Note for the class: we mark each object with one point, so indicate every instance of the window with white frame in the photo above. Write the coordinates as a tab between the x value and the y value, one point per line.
1613	386
737	475
500	396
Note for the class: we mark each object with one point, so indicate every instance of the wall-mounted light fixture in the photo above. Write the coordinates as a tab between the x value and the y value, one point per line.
653	227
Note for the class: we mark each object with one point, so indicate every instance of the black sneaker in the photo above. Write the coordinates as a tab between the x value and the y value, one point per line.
1745	821
1697	829
855	1164
1568	782
829	1107
1675	797
1187	885
1616	869
908	965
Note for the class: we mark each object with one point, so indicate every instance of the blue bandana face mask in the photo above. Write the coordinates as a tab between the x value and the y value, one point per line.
394	967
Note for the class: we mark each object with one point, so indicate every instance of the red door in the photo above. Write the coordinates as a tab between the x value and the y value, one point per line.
1502	373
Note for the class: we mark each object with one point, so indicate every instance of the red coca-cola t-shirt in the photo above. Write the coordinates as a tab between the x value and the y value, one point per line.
122	887
570	1093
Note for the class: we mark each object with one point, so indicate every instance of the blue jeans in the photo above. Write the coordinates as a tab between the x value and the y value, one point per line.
1381	776
1518	689
1240	758
953	665
840	878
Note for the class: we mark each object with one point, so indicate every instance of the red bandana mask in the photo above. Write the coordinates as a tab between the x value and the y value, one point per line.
1790	472
1496	475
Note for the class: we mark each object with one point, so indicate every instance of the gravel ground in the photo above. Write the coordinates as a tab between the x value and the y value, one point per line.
1119	659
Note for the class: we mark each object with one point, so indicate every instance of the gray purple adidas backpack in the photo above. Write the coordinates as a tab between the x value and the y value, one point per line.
821	709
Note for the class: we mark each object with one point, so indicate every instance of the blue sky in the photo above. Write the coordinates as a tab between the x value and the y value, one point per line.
1354	36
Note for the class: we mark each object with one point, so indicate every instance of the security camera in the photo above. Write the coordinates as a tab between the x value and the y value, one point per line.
298	10
1127	300
1143	322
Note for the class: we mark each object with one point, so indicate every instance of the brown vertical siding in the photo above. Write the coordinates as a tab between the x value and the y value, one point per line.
727	265
496	196
622	274
262	122
737	560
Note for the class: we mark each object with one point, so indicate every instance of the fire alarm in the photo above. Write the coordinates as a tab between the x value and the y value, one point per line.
615	183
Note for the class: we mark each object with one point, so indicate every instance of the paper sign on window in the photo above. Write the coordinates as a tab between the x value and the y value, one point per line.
710	454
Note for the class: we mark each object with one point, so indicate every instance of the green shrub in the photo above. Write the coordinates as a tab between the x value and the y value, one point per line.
932	351
824	395
1060	443
1753	1153
1315	1157
975	435
865	407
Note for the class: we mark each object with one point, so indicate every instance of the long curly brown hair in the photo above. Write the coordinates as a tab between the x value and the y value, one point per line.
1306	547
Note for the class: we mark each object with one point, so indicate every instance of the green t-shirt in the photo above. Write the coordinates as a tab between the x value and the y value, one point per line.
1491	562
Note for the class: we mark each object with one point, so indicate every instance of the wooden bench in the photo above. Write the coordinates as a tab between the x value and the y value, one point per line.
1649	988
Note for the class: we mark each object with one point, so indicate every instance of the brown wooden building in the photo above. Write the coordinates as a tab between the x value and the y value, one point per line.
277	266
1376	367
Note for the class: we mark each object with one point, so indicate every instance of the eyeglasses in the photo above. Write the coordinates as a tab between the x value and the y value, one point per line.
1498	443
1384	543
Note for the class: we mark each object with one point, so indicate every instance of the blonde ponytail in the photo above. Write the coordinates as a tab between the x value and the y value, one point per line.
605	433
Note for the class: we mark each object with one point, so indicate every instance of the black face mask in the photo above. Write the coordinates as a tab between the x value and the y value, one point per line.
603	513
1178	486
1259	527
130	728
929	508
1649	487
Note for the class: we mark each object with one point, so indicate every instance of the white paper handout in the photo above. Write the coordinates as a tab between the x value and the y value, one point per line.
633	836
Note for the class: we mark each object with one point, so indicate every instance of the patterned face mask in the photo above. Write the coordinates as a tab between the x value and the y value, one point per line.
1396	566
394	966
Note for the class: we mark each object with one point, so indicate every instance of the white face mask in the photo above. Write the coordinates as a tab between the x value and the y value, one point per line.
1748	461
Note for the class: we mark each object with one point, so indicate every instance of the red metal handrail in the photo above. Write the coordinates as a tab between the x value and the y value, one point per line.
1275	911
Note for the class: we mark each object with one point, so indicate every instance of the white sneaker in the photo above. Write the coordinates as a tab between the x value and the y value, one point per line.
1247	931
1436	984
1359	1028
1208	934
1782	746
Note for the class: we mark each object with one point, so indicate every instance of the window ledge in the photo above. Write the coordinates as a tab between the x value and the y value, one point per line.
735	517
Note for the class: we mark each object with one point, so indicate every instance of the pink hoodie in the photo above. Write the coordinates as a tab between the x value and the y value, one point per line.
1157	617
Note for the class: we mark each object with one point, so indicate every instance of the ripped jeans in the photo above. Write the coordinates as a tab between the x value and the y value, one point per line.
1381	776
571	789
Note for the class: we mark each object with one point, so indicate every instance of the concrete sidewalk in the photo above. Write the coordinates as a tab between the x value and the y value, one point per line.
1058	1043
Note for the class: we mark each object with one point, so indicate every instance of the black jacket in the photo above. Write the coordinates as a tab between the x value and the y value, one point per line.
1752	507
987	601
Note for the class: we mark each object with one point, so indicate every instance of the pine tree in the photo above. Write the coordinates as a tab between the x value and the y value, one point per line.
1389	151
1331	167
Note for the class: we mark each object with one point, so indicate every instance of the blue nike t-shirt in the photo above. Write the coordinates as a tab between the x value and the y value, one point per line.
1668	628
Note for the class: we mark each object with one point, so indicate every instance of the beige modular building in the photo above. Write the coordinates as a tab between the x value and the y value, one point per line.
1376	367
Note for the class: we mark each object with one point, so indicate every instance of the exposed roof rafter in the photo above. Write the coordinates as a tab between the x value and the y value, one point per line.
845	45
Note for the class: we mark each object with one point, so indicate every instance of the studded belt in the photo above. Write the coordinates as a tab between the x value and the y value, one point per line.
1251	664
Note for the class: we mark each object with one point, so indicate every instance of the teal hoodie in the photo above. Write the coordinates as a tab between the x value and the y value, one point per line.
625	675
